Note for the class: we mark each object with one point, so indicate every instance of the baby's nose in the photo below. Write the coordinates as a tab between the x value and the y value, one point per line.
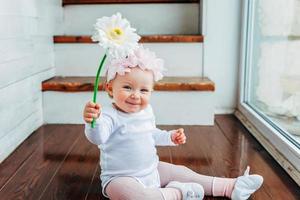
135	95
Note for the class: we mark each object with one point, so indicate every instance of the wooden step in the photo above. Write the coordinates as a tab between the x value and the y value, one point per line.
80	84
144	39
78	2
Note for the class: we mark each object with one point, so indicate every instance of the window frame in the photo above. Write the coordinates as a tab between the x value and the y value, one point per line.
285	152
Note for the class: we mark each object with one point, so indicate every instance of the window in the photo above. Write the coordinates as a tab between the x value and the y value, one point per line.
270	77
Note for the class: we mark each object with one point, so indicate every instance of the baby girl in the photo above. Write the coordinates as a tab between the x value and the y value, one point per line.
126	135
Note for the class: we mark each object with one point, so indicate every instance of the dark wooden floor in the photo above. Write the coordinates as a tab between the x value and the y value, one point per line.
57	162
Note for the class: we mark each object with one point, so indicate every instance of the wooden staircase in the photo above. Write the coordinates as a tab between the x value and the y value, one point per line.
81	84
80	2
184	96
144	39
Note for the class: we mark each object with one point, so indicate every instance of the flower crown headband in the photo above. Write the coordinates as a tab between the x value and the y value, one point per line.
142	58
121	43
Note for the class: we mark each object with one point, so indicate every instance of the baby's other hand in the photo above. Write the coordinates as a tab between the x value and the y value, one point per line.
178	136
91	110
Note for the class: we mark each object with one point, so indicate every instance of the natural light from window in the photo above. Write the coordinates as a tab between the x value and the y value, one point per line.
274	70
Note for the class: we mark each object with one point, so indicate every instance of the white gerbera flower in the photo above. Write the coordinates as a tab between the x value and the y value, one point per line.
116	35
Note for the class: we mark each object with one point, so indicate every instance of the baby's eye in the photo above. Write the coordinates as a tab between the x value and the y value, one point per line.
144	90
127	87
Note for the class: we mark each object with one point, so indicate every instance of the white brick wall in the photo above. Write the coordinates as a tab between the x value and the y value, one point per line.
26	59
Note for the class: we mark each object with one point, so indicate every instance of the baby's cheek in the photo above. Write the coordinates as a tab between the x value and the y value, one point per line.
121	96
144	106
144	102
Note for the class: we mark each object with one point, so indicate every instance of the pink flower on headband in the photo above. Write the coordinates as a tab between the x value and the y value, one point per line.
143	58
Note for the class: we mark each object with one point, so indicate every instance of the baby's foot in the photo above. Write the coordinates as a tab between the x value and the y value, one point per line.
246	185
190	191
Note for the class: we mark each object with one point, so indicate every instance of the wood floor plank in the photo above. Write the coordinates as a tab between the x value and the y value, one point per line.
206	150
9	166
95	191
63	165
32	178
73	179
164	154
186	154
260	162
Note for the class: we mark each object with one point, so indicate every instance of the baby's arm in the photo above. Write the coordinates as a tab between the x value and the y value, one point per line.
166	138
103	126
162	137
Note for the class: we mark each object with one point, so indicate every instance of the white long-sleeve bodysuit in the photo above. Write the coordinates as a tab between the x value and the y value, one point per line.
127	145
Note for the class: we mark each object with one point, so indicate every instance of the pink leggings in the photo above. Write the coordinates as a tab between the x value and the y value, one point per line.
127	188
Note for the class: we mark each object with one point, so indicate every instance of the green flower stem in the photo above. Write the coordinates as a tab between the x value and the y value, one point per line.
97	83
